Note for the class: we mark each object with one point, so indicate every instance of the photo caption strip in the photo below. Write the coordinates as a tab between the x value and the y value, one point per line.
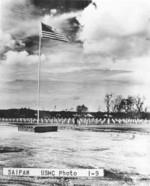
37	172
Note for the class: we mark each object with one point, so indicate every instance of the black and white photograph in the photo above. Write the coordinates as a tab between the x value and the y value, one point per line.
74	92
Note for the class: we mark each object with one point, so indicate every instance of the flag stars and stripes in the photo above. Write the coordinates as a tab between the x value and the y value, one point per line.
48	32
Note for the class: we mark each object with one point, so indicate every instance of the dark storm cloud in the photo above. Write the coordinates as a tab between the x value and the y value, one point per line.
21	18
61	5
17	18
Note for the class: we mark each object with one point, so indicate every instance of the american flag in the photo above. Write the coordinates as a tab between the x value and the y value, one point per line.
48	32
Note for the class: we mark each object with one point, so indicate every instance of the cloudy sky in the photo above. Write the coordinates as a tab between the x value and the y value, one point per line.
109	52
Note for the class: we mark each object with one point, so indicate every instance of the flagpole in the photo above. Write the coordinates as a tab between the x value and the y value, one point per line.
48	33
39	69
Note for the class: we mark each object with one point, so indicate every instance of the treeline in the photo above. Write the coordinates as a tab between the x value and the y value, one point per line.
29	113
116	107
18	113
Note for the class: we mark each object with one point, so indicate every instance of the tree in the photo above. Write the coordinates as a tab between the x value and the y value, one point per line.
81	109
117	104
139	103
130	104
108	102
121	104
